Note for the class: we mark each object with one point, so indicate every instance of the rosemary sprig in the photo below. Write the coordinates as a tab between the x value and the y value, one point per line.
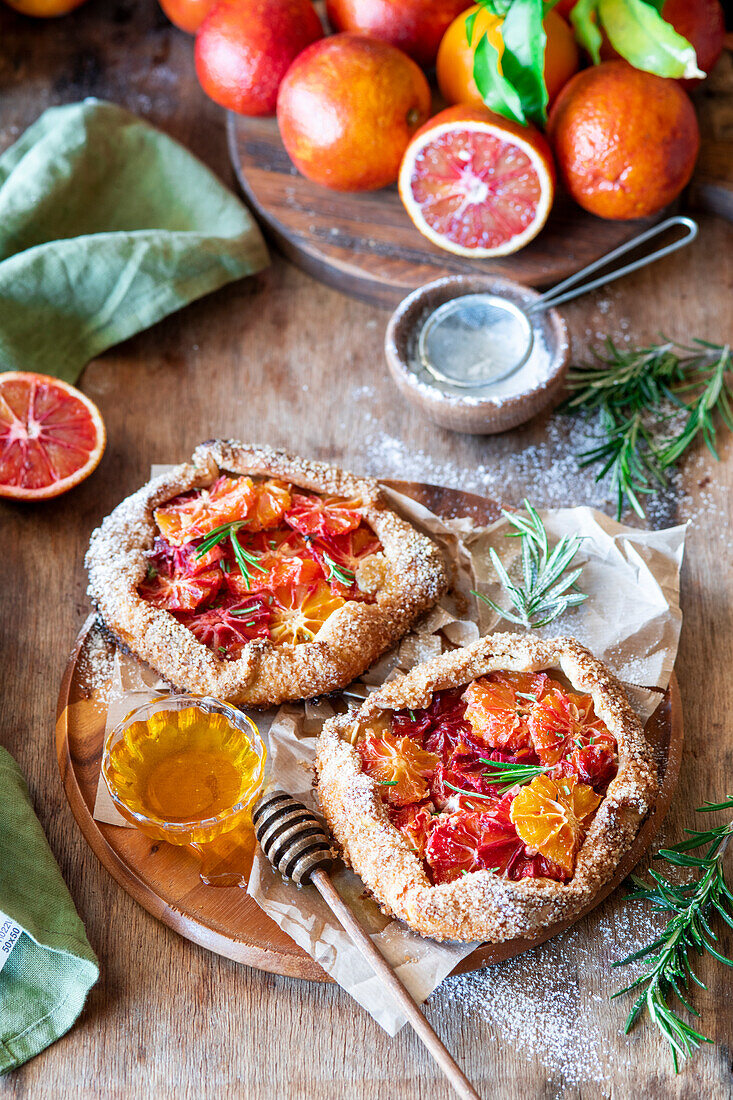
468	794
545	593
343	576
635	392
244	558
628	454
507	774
688	930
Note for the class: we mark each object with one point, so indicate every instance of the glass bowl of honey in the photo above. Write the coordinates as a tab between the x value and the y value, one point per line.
185	769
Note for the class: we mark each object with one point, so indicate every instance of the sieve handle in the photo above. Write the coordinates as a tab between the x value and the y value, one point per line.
569	289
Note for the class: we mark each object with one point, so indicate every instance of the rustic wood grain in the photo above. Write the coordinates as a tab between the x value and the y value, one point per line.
165	879
285	360
366	245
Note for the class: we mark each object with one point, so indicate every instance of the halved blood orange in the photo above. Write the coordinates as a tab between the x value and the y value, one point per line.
51	436
477	184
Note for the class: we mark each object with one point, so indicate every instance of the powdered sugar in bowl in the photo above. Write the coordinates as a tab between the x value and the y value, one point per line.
453	398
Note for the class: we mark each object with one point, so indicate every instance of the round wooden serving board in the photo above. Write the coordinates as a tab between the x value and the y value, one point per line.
365	244
164	879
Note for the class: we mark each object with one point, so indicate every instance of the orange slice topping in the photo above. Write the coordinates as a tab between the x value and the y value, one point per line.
399	765
298	616
272	500
498	705
192	517
314	515
551	816
558	720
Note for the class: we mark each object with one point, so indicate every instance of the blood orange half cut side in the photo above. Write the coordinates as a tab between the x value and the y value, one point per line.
477	184
51	436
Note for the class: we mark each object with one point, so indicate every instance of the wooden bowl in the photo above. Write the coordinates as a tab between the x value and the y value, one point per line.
462	411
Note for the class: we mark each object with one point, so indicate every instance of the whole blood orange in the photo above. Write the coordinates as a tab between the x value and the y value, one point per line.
454	67
477	184
51	436
187	15
625	141
415	26
245	47
347	109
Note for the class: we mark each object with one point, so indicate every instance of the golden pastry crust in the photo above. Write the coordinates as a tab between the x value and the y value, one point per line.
265	674
482	906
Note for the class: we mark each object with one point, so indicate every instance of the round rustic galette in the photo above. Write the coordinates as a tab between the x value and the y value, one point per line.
491	792
257	577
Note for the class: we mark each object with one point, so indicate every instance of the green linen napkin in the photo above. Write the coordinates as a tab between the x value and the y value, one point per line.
107	225
50	966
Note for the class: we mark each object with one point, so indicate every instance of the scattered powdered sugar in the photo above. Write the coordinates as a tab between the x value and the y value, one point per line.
548	1001
549	471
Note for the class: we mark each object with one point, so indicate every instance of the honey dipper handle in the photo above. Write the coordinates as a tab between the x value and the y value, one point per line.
461	1085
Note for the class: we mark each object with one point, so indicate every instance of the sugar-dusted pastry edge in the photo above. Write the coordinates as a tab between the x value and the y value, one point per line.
482	906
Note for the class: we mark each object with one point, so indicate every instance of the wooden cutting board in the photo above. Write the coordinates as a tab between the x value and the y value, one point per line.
366	245
164	879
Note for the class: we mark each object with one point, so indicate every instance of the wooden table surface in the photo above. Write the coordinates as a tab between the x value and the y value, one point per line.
282	360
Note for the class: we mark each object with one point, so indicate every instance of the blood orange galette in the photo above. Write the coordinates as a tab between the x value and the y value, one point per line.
257	577
491	792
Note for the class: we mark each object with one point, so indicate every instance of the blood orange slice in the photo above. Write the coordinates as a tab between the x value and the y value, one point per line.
51	436
477	184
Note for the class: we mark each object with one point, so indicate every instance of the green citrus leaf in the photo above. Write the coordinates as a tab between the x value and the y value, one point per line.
586	28
469	26
495	90
637	31
497	7
523	60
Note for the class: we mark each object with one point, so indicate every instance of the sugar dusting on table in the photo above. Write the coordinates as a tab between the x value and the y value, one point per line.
549	471
537	1004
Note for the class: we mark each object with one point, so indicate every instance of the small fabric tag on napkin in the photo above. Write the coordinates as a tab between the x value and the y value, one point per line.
46	964
10	933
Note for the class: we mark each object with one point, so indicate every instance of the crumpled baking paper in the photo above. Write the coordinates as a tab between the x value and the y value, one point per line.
631	621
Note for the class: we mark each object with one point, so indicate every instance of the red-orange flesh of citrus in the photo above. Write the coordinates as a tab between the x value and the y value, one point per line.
51	436
477	184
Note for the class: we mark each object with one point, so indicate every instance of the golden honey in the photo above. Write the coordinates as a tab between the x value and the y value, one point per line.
185	773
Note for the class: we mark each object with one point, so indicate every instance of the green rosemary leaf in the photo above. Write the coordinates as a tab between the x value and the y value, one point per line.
710	807
668	972
507	774
468	794
631	391
544	594
336	572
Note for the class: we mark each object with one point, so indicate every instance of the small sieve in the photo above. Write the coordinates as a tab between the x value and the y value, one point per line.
480	338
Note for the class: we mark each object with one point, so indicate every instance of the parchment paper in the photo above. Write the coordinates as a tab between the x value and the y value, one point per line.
631	621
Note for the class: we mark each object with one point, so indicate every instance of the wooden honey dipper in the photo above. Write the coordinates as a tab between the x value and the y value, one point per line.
297	845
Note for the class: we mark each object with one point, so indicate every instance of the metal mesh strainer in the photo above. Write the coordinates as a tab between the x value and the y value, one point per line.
478	339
